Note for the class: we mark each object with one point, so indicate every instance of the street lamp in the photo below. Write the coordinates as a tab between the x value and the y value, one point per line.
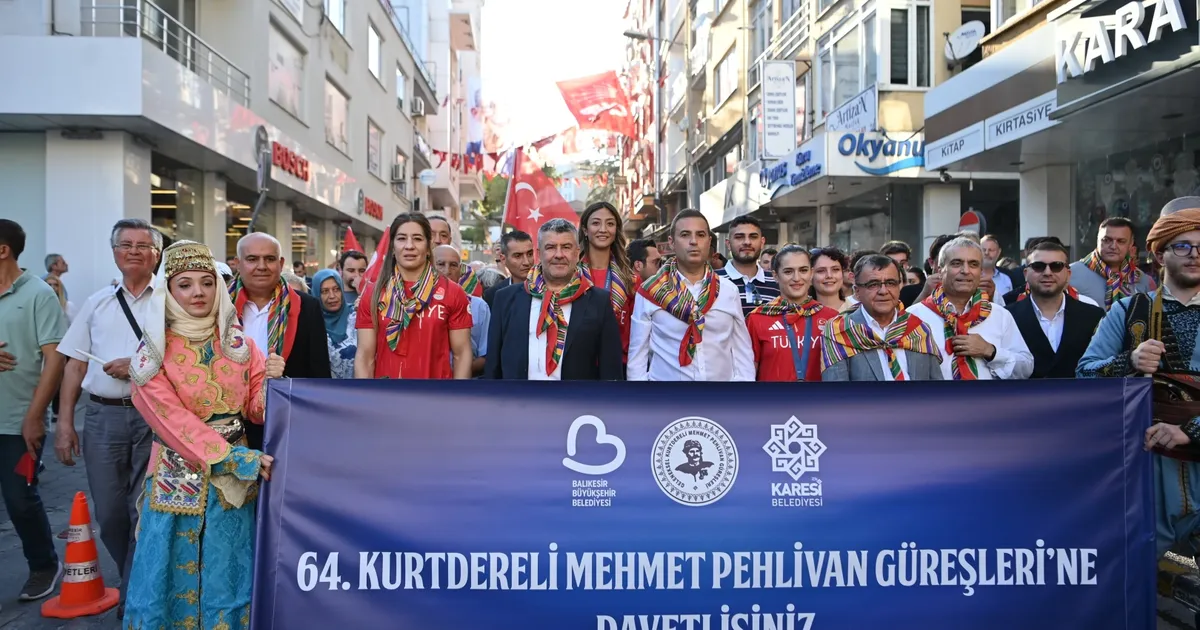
638	35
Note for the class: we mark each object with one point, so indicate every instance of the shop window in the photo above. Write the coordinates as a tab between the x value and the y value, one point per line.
374	52
285	74
374	149
909	60
848	61
726	78
335	12
337	115
401	88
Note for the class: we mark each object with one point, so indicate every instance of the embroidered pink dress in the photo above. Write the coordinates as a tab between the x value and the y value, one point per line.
193	563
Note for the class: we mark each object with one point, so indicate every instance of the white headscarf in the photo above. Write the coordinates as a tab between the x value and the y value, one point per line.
165	312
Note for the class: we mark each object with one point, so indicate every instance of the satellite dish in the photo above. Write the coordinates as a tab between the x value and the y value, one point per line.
964	40
427	177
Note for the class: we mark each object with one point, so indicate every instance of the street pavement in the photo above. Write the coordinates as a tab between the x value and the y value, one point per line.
58	487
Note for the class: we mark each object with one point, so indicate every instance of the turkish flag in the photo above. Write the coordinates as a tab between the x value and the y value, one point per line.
532	198
350	243
599	102
376	262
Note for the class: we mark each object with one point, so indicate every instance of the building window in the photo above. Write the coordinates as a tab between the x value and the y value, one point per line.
871	53
374	148
826	86
337	116
762	25
755	138
726	78
285	76
846	60
401	88
1005	10
909	49
335	10
790	7
374	63
400	174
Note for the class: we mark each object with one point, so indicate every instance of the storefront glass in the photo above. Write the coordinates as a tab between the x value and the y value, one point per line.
863	222
999	203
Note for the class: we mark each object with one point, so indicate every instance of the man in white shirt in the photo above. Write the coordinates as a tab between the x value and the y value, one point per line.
979	339
688	323
991	257
117	448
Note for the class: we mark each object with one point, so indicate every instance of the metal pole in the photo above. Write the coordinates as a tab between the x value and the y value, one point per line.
690	178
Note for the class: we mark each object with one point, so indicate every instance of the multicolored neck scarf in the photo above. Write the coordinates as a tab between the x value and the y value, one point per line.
552	321
1118	283
844	338
282	318
975	312
1070	291
618	292
470	282
667	291
400	305
794	312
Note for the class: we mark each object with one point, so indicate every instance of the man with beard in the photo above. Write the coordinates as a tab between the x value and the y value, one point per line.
516	254
1056	326
1110	272
556	325
979	340
1155	334
351	267
879	341
755	285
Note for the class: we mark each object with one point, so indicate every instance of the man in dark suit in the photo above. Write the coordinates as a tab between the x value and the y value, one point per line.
516	254
555	325
1056	327
300	340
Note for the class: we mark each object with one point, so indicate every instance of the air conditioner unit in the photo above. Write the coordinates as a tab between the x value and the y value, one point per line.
398	175
418	107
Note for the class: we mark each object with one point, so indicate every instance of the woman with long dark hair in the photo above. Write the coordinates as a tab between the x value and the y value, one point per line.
411	319
604	257
786	332
828	281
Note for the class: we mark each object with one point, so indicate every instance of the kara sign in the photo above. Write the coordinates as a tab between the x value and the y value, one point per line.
860	113
1027	118
289	161
878	154
778	108
957	146
804	165
1083	45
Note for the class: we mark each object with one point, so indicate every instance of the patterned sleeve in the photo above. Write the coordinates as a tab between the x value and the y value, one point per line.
1106	355
175	424
256	386
242	462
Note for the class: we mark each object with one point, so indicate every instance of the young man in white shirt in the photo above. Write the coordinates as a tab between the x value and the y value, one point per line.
688	323
980	340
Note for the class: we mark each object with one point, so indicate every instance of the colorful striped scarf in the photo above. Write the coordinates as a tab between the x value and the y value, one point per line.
1118	283
618	292
277	316
844	338
400	305
794	312
552	320
470	282
975	312
667	291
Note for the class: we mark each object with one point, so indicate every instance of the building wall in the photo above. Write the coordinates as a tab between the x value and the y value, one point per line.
23	177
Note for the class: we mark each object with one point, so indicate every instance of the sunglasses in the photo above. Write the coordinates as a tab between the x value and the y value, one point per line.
1040	267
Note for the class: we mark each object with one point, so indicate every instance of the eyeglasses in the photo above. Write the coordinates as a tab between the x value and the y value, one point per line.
1040	267
874	285
1183	250
141	248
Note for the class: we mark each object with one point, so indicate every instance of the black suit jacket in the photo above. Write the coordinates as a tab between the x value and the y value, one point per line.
593	351
489	295
309	357
1079	324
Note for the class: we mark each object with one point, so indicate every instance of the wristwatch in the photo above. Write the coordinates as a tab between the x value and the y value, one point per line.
992	356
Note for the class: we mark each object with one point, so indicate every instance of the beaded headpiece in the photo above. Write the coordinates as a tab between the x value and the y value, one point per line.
184	256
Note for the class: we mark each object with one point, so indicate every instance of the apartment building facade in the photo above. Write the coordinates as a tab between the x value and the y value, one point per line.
847	166
1091	104
164	111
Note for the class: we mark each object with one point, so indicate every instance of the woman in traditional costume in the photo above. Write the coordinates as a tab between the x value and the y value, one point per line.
196	380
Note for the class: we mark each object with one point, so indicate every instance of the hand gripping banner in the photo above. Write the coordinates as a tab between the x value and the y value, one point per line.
413	505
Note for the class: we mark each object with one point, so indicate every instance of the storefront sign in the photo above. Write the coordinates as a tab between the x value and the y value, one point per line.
372	208
289	161
1085	44
876	154
804	165
1025	119
860	113
779	108
957	146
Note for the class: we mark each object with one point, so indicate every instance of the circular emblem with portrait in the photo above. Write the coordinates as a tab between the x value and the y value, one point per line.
695	461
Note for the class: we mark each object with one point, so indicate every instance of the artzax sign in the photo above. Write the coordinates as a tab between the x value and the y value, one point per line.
1083	45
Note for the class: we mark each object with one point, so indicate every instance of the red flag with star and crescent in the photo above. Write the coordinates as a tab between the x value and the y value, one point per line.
532	198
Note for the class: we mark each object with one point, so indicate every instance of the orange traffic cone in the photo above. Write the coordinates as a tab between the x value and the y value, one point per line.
83	592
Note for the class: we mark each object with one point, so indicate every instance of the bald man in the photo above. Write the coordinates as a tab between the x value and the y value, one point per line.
448	263
284	323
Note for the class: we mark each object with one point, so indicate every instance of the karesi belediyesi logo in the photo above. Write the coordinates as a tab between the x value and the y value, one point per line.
796	450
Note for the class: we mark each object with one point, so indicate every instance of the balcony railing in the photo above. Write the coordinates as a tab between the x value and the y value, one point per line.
792	35
142	18
418	61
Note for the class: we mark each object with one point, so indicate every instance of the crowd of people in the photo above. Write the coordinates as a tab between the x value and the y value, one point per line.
168	365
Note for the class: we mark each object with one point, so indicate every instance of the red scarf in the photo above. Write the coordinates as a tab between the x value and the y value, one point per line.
975	312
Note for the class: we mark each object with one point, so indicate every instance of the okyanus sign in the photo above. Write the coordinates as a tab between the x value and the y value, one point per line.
867	149
620	506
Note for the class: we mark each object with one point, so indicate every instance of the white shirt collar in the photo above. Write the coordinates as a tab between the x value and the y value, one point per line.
149	287
874	324
1062	306
733	273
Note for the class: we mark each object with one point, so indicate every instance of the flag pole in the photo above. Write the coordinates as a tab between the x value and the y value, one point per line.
508	195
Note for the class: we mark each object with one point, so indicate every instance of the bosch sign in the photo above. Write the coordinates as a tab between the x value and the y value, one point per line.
373	208
289	161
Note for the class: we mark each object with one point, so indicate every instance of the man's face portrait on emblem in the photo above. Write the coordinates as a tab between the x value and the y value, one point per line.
695	464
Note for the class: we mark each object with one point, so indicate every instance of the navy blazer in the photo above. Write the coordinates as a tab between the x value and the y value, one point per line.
593	350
